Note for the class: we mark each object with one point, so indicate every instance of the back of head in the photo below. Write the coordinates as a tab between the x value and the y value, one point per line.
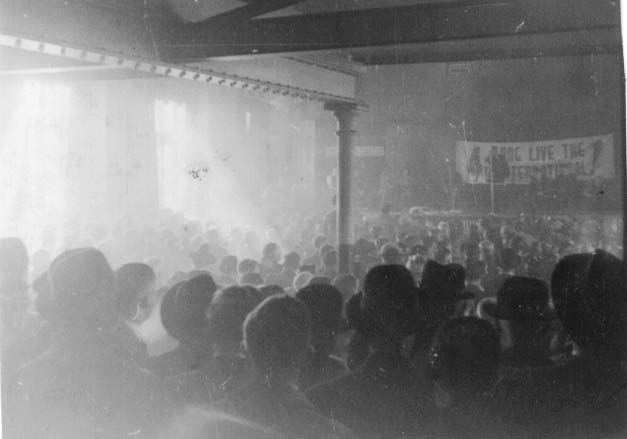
325	308
83	285
346	284
13	262
184	307
320	280
228	265
389	301
254	279
271	290
132	280
276	337
301	279
391	254
292	261
227	312
247	266
509	259
589	295
329	259
464	357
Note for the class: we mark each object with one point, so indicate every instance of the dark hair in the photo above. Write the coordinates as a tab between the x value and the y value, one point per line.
509	259
131	279
325	308
83	288
247	266
276	336
318	280
292	260
228	265
330	259
228	310
465	355
184	307
309	268
270	248
271	290
13	256
254	279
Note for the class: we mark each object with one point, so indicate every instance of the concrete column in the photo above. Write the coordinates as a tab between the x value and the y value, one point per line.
345	114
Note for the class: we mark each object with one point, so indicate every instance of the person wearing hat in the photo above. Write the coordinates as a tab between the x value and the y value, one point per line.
441	292
532	389
228	368
590	295
464	364
523	314
509	262
86	383
276	340
383	397
183	310
325	304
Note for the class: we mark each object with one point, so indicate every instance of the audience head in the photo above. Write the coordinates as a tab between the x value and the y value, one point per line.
13	264
346	284
329	260
272	252
388	305
301	279
227	312
83	289
589	293
324	303
464	359
271	290
391	254
248	266
184	307
292	261
320	280
522	309
276	338
228	265
509	259
254	279
136	282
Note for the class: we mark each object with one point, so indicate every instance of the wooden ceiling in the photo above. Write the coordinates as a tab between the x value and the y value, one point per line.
366	31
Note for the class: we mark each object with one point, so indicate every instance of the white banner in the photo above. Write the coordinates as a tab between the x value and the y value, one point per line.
518	162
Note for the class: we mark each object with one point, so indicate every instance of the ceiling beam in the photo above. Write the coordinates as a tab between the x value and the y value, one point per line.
421	23
248	12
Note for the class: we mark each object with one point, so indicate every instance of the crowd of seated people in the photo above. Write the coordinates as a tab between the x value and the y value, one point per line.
513	328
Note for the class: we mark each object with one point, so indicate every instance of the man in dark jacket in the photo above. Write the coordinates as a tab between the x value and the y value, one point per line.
86	384
384	397
276	338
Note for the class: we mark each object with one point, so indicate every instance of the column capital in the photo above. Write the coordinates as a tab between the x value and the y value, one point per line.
344	112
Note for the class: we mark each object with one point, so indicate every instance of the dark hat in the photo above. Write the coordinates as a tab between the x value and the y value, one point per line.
184	306
82	284
325	307
589	294
228	310
444	282
388	285
522	299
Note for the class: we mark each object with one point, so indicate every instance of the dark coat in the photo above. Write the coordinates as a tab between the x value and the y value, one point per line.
282	409
83	385
384	397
